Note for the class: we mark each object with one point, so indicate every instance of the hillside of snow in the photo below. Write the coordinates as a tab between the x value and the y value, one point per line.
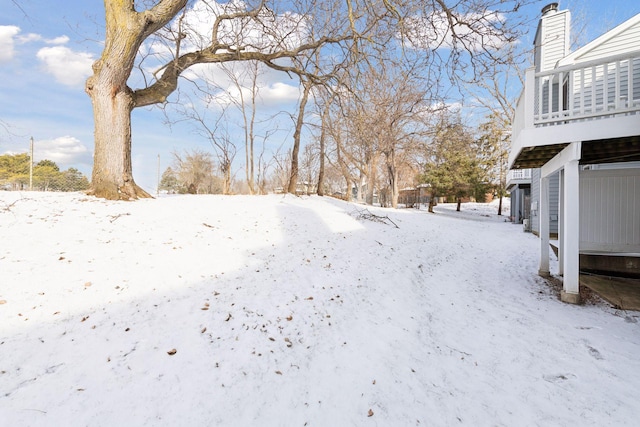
294	311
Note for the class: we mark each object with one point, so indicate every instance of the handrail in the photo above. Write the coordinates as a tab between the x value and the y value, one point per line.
605	87
515	174
594	62
582	92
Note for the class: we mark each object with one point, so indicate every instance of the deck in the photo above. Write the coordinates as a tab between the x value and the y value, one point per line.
621	292
591	101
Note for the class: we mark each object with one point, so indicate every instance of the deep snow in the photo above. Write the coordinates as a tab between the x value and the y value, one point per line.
293	311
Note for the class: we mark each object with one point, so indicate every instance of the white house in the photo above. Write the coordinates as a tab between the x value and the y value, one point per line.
523	186
579	116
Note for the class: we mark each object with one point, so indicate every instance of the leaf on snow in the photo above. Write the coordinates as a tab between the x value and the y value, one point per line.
172	352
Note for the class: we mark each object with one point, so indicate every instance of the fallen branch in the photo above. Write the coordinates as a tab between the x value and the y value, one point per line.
7	208
114	217
365	214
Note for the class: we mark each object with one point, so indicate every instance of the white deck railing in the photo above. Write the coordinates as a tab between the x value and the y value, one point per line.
518	174
583	96
586	91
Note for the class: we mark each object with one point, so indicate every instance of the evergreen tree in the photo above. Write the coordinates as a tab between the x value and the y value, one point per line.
452	167
169	182
14	175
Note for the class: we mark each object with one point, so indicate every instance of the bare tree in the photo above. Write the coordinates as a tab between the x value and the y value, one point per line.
309	165
334	131
322	143
294	171
493	148
202	31
239	32
214	127
246	86
195	172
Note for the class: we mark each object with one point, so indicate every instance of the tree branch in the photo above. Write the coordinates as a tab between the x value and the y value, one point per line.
167	84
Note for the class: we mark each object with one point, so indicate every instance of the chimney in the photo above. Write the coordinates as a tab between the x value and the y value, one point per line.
550	8
552	37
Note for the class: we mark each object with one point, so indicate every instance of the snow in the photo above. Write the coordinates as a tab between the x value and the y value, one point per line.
293	311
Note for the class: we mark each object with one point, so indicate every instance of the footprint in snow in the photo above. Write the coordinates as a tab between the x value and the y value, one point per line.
594	353
558	378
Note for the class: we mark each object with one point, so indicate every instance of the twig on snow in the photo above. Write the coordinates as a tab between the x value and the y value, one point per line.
7	207
366	214
114	217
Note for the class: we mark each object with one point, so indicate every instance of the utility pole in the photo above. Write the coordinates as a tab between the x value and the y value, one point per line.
31	165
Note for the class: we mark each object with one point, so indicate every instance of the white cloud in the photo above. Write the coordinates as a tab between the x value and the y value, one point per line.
58	40
7	32
274	94
65	151
279	92
68	67
31	37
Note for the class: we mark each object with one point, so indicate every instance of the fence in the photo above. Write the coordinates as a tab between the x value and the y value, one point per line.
19	173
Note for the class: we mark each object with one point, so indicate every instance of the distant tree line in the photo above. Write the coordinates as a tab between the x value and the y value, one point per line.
47	176
193	172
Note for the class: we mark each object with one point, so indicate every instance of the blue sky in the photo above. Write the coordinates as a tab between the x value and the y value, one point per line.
46	51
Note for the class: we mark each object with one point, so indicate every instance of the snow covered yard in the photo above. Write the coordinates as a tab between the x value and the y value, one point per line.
286	311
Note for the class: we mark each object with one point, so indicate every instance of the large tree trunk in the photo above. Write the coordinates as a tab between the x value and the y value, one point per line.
432	201
392	170
112	99
112	176
371	178
226	174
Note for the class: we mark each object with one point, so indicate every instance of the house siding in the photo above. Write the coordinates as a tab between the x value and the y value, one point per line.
610	210
554	192
626	41
535	200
